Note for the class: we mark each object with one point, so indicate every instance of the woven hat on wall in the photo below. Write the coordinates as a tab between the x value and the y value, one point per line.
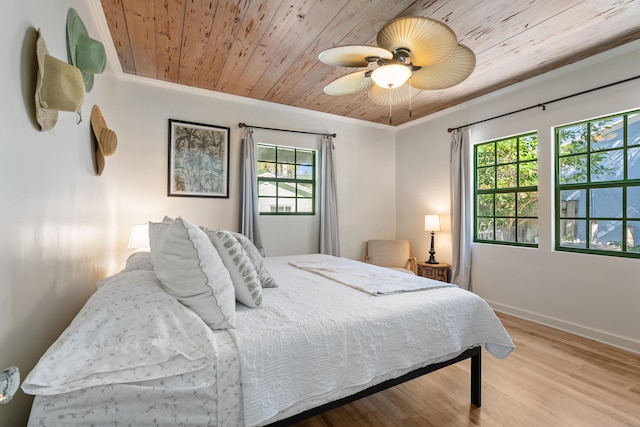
84	52
106	139
59	87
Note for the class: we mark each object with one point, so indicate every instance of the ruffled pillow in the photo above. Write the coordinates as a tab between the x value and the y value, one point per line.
190	269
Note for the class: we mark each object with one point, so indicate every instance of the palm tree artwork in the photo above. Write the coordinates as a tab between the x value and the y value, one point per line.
199	160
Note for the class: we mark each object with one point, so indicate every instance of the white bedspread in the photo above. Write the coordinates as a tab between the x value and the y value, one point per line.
314	340
368	278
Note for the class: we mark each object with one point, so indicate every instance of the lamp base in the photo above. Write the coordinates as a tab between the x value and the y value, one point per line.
432	252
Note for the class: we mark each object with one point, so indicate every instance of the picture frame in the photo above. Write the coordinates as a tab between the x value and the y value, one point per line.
198	160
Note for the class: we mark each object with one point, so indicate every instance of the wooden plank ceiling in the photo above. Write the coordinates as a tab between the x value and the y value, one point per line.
268	49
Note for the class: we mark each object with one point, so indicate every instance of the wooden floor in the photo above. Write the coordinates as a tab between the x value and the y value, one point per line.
552	378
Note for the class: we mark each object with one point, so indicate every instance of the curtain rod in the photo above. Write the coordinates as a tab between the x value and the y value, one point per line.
543	105
244	125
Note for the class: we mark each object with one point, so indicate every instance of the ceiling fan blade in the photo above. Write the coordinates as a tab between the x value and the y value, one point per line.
350	83
385	96
429	41
447	73
353	55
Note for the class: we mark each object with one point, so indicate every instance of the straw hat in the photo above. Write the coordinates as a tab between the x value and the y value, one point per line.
107	140
59	87
84	52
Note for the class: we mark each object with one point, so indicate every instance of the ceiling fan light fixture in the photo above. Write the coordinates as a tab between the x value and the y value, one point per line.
391	76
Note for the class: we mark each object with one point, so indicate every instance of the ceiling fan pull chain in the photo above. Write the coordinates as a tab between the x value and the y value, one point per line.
390	121
410	95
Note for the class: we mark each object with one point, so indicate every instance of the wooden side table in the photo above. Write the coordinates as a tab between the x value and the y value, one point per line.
440	271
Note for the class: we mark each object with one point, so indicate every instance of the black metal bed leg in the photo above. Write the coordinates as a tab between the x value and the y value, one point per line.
476	378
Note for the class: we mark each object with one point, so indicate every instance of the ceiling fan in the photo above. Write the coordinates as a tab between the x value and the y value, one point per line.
421	52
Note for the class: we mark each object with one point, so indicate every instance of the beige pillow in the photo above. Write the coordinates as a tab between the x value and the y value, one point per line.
190	269
243	274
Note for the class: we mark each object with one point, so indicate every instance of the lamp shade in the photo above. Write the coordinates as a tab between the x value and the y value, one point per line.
432	223
139	238
391	76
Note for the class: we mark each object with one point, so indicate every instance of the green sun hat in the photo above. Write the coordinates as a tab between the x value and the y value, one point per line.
84	52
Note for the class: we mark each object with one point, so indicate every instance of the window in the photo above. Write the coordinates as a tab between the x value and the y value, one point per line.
598	186
286	180
506	191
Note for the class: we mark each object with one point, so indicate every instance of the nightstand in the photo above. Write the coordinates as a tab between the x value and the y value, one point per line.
440	271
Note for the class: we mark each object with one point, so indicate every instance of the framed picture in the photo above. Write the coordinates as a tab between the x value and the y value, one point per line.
198	160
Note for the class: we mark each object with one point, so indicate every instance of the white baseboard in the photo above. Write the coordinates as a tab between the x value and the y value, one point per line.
594	334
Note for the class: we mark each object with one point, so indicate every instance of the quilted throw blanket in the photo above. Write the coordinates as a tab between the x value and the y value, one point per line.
368	278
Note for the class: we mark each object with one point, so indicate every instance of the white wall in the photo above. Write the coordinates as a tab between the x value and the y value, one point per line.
57	217
364	157
63	228
596	296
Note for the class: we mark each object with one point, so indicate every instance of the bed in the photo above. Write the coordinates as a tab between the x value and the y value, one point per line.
136	355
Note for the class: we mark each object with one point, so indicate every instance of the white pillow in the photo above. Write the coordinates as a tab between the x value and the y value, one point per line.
129	330
190	269
266	281
243	274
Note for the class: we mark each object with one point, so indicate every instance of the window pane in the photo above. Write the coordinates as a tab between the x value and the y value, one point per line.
305	205
507	151
572	233
606	235
633	129
528	174
485	154
506	176
266	169
633	163
304	172
528	148
485	205
267	189
606	202
286	171
506	204
528	230
286	189
607	166
305	157
286	155
485	228
528	204
607	133
505	229
573	169
305	190
633	236
267	204
573	203
486	178
266	153
633	202
572	139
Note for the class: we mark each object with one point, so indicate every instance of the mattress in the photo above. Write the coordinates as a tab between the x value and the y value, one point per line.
313	340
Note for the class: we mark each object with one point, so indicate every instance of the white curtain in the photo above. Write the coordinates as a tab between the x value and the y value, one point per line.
250	211
329	238
462	231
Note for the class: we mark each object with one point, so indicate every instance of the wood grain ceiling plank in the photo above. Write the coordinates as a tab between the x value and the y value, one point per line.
226	24
169	23
114	14
197	27
287	41
140	19
257	20
347	28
